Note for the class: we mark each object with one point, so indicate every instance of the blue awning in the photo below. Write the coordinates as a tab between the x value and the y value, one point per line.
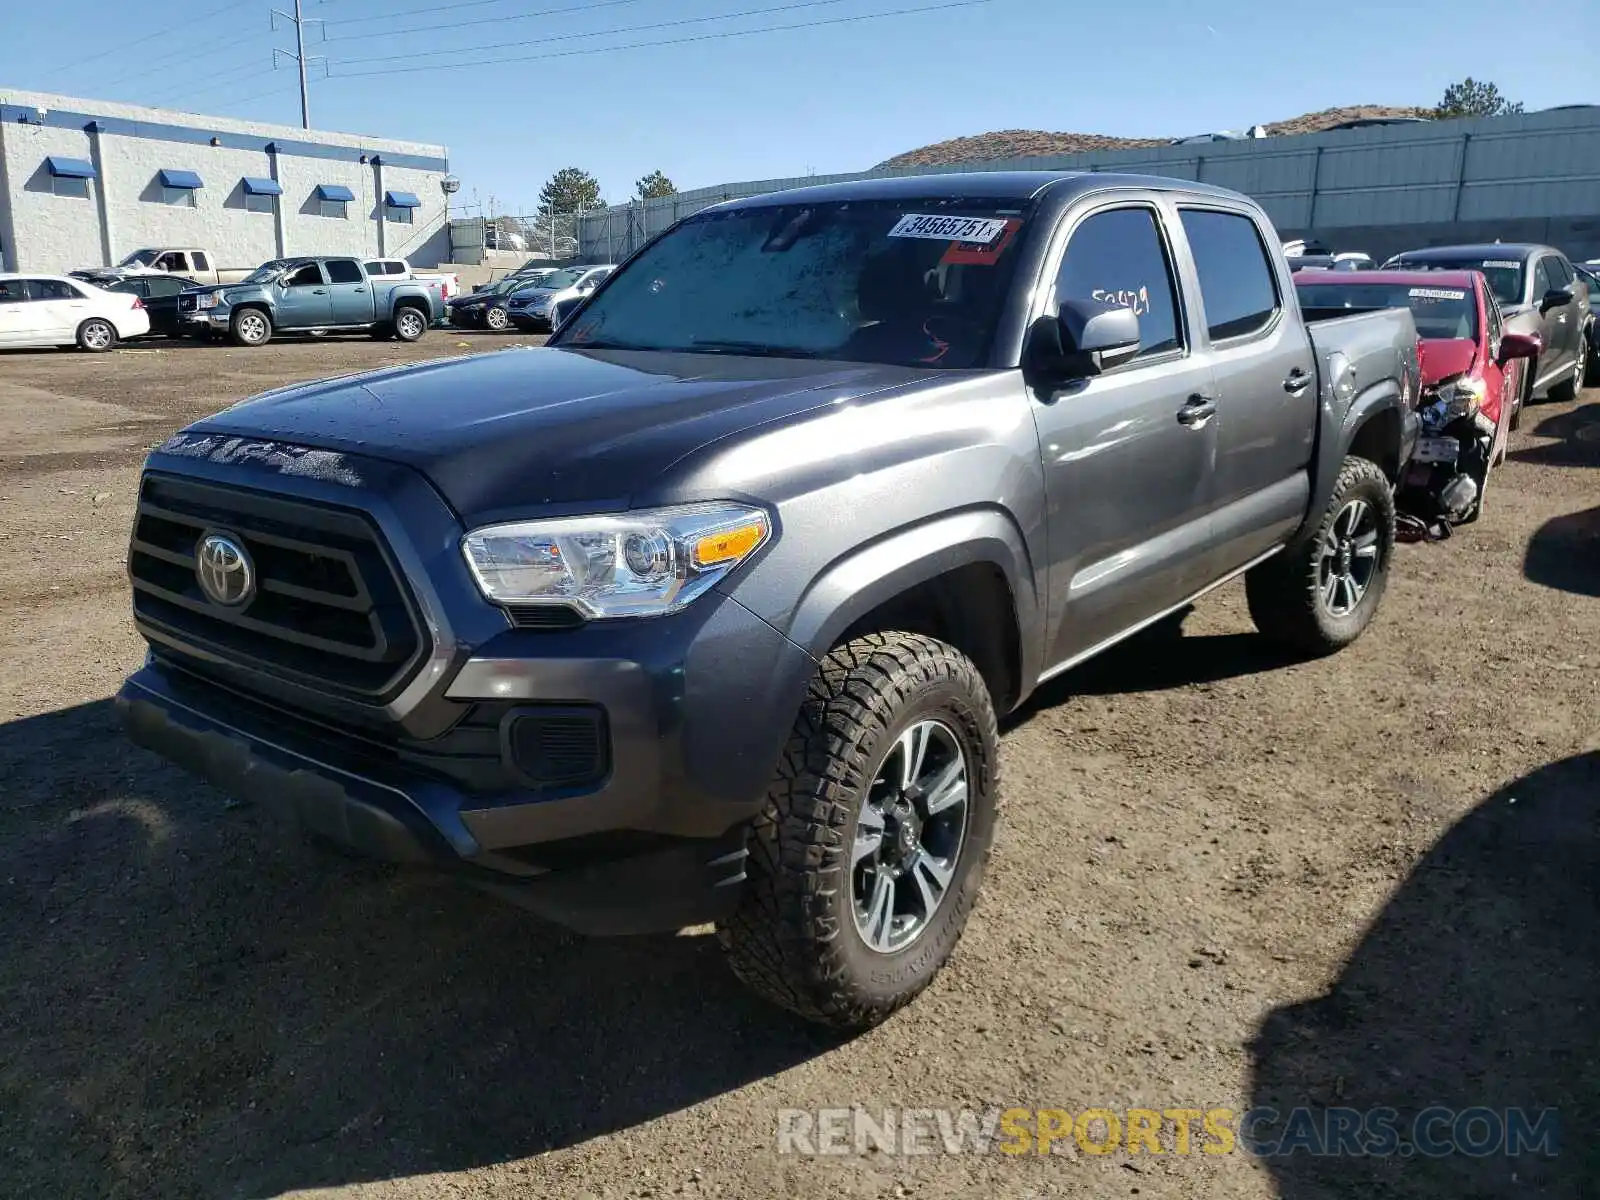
334	191
254	186
187	180
402	200
70	168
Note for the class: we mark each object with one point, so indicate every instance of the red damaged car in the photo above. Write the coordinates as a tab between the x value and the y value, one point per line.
1471	375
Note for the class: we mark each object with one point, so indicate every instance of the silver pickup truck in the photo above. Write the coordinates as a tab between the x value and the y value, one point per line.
705	612
311	295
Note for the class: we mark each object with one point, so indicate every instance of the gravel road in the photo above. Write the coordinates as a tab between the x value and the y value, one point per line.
1222	879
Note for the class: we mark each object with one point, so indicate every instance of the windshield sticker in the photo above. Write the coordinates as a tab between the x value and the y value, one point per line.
1504	264
977	231
976	254
1139	301
1436	294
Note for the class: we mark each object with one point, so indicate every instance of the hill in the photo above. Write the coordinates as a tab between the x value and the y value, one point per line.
1022	143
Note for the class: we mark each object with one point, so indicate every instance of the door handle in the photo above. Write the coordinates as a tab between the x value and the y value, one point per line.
319	291
361	291
1199	409
1296	382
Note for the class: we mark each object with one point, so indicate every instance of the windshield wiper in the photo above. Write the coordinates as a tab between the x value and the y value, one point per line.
752	349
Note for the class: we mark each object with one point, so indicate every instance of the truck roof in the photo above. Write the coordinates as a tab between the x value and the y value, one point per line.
986	185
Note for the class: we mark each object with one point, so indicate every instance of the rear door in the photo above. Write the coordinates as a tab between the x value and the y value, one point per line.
303	303
349	292
1265	385
57	309
1127	454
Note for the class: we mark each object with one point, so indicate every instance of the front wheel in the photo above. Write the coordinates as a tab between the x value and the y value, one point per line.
97	335
409	324
496	319
251	327
869	854
1320	594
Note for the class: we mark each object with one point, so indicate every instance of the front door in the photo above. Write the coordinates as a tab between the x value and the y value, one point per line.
56	311
13	314
349	292
303	300
1127	454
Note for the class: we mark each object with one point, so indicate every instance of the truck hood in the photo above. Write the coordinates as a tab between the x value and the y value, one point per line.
549	430
1440	358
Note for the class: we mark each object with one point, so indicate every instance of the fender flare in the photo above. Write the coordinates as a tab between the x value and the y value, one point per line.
1336	435
868	576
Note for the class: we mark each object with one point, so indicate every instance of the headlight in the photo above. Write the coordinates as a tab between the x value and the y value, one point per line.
206	300
1458	397
635	564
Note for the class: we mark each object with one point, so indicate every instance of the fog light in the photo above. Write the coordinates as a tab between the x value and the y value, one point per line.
558	746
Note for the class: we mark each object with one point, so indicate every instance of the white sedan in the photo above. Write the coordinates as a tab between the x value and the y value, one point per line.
52	310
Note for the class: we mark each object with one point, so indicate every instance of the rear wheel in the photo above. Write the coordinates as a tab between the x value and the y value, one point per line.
409	324
1570	384
97	335
1319	595
251	327
871	849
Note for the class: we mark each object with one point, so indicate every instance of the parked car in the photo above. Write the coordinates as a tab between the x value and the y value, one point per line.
532	309
1589	273
1538	293
485	308
1472	371
53	310
1347	260
707	611
186	260
160	296
312	295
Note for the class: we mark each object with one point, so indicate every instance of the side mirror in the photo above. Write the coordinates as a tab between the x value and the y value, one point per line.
1555	298
1520	345
1084	339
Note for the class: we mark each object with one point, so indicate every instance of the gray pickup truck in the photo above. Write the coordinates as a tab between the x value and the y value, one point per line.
707	610
311	295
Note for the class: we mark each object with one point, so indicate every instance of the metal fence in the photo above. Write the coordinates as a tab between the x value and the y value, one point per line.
1532	168
535	235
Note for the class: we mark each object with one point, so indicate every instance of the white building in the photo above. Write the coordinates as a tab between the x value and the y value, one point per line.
84	183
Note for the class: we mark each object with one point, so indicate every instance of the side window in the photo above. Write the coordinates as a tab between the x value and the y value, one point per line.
200	263
307	276
344	270
1493	309
52	289
163	287
1118	258
1542	282
12	291
1236	281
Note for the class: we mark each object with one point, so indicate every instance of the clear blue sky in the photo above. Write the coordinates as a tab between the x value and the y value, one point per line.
833	97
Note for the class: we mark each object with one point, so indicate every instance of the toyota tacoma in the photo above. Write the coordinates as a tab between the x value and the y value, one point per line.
705	611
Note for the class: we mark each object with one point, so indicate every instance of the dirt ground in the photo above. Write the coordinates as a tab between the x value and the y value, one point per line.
1222	880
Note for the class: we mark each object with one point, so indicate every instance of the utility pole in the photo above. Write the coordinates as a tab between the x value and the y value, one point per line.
299	22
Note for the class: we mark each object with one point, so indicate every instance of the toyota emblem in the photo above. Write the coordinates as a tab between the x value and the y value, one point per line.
226	574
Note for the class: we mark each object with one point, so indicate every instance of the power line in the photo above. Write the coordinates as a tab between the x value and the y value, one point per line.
547	12
704	37
570	37
457	5
187	22
155	66
190	86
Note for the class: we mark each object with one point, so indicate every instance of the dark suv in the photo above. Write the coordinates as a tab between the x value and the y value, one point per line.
1538	292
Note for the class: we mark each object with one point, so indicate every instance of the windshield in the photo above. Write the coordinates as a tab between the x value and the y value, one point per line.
140	258
558	279
1504	274
1439	312
908	282
267	271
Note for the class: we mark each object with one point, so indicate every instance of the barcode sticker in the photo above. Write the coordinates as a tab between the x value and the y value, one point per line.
1436	294
974	231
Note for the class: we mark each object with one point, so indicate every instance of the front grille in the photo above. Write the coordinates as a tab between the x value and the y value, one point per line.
329	608
187	303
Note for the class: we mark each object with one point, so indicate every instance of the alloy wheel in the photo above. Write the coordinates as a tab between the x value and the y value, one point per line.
1349	558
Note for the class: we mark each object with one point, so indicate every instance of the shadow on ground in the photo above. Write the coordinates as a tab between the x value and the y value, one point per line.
1578	432
1476	986
1564	553
195	1004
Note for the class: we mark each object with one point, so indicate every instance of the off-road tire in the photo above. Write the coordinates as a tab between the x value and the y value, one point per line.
794	939
1285	594
245	330
96	335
